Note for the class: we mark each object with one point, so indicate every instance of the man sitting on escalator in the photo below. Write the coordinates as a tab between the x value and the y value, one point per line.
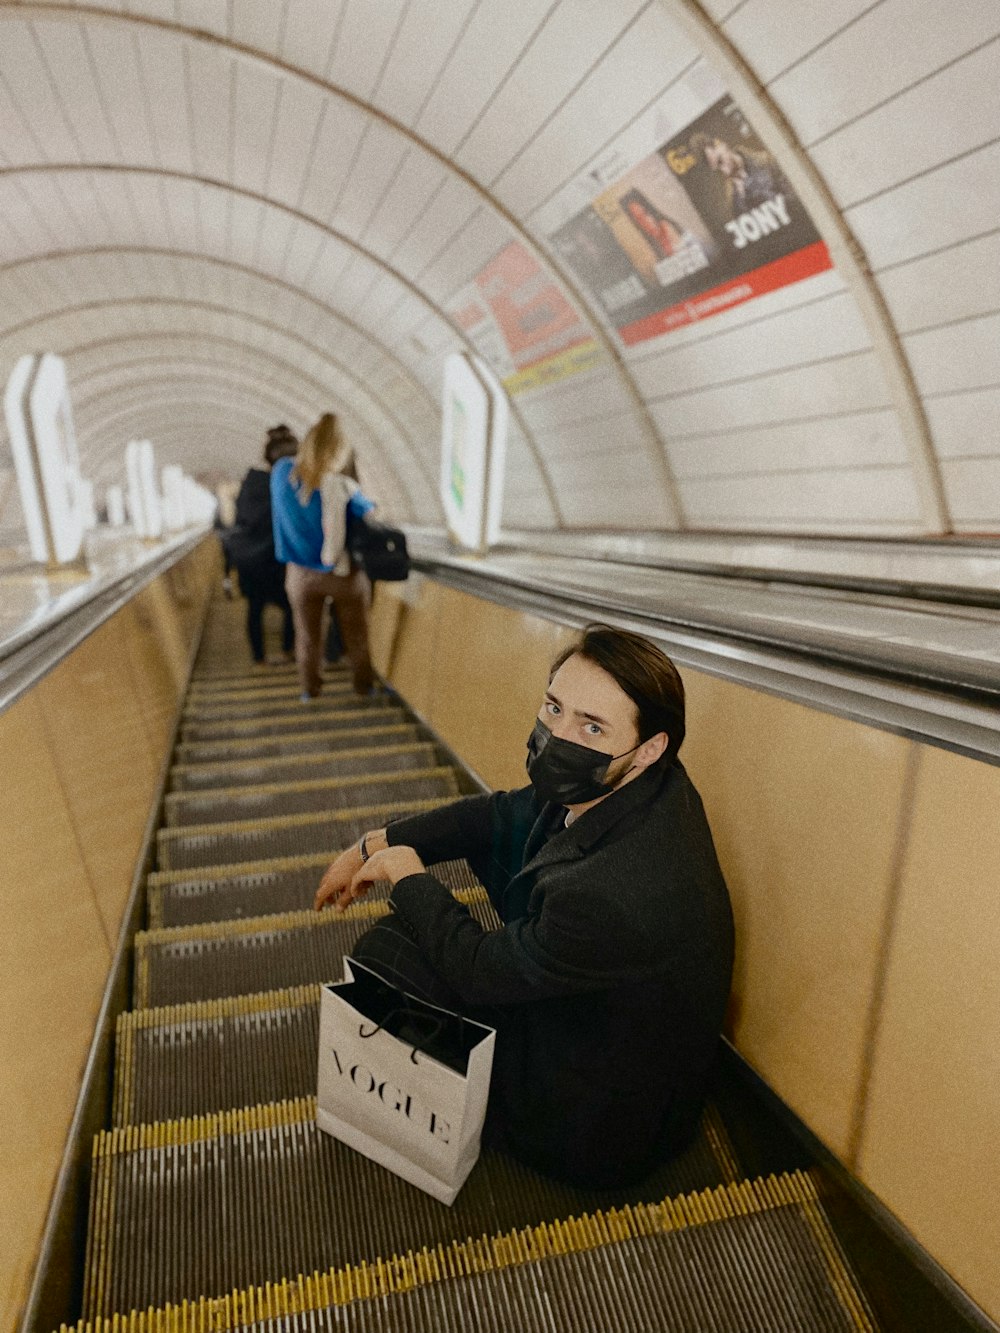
609	978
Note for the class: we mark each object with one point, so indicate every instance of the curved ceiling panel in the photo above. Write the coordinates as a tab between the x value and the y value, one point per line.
355	171
380	188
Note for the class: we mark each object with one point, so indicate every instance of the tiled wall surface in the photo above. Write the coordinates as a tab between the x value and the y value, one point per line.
81	754
865	876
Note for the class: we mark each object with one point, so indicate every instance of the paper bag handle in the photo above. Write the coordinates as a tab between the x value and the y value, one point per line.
414	1014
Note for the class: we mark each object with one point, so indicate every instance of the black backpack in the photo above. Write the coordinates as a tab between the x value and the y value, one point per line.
378	549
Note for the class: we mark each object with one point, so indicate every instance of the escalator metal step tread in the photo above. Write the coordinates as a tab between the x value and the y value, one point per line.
259	687
305	717
222	677
186	1059
184	898
282	835
224	659
226	958
183	1060
349	761
289	1199
777	1270
267	799
216	710
330	736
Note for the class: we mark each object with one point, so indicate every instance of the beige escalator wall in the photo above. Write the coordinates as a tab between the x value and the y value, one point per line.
81	755
929	1144
865	875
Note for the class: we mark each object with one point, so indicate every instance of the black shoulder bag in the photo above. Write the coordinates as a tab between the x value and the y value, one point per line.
379	549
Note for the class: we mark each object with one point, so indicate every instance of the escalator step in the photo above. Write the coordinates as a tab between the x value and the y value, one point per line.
726	1262
350	761
233	893
338	732
226	677
216	1055
221	710
259	685
184	809
279	1197
218	959
306	717
283	835
202	700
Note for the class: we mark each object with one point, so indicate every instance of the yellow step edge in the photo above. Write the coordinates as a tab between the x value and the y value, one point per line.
204	1011
307	784
255	925
236	869
313	757
380	1277
296	821
321	733
279	696
311	710
261	684
721	1144
194	1011
259	688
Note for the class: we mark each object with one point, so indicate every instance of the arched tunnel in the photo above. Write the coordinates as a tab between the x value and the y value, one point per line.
732	268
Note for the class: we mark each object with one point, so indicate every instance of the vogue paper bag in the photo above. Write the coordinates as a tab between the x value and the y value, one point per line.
402	1081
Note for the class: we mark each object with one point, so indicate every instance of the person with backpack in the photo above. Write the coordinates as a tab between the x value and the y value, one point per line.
312	498
249	547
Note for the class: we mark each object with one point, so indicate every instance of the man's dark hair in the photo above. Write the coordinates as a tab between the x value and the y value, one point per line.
646	674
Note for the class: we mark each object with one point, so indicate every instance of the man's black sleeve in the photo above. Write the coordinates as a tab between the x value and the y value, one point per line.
581	942
460	829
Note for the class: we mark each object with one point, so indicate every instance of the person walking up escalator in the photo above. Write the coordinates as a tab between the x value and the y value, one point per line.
310	500
249	546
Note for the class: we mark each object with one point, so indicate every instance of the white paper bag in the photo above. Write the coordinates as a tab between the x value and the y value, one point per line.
386	1097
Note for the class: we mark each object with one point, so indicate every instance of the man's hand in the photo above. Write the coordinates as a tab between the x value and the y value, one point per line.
348	878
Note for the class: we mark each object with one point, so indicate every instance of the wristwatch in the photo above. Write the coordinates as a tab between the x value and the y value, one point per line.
363	849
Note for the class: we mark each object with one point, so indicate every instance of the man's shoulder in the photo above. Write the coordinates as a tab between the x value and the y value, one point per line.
662	813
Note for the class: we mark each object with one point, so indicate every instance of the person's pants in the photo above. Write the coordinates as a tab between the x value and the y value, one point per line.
389	949
307	591
333	650
261	590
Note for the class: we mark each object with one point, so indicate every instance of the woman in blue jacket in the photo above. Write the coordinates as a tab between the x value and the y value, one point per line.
310	499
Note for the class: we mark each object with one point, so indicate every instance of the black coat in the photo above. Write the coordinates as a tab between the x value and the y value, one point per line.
609	979
250	542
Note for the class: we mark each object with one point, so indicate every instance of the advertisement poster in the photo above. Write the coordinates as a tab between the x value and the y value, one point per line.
705	222
519	321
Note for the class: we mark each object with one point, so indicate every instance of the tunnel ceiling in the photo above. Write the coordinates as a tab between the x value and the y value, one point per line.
226	213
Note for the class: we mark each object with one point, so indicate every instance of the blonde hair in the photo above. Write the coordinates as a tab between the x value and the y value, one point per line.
323	450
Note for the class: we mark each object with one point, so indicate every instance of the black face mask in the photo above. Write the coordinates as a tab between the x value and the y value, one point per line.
566	773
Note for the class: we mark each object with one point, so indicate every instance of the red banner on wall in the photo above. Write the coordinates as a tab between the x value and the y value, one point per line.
520	321
780	273
703	223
